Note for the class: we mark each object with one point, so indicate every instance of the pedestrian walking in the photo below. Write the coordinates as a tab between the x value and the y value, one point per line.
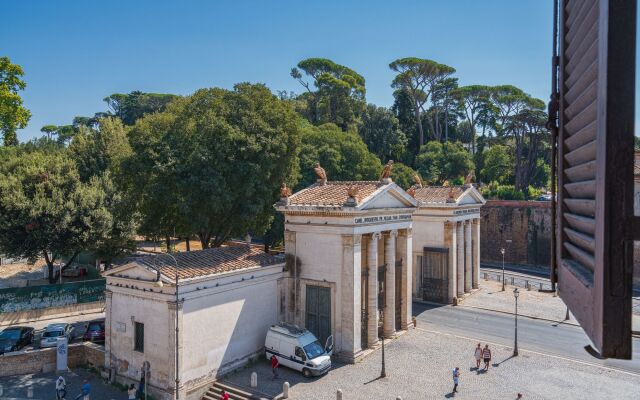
519	396
456	379
131	393
140	393
486	355
225	395
86	391
61	388
274	366
478	355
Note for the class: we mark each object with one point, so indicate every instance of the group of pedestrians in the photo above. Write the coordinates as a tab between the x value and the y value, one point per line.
480	354
61	390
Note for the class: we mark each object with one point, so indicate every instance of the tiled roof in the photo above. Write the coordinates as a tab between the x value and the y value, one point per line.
438	194
333	194
194	264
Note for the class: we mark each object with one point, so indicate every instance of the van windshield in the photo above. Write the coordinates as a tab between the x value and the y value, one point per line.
313	350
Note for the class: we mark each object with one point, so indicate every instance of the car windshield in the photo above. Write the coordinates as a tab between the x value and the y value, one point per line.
52	333
10	335
95	327
313	350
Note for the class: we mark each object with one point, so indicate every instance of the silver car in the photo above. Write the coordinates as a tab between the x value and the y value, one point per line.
53	332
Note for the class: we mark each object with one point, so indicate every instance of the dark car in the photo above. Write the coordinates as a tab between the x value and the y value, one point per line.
15	338
94	332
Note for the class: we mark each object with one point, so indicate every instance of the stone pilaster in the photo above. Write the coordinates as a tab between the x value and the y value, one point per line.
389	327
372	306
108	326
475	232
460	259
467	258
405	249
171	359
350	342
289	286
450	243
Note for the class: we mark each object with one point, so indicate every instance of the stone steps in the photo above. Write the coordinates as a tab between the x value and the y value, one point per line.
215	393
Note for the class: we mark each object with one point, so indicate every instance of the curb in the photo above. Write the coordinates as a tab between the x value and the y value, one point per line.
522	315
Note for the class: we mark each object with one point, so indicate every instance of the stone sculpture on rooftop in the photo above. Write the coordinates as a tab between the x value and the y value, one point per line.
321	173
417	180
386	172
285	191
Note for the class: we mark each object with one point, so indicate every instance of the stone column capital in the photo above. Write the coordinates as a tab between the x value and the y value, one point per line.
391	233
475	221
351	240
376	236
449	224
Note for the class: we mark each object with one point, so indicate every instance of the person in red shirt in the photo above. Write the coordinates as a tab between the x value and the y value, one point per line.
274	366
225	395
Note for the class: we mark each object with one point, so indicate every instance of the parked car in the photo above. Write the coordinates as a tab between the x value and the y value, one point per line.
298	349
94	332
544	197
15	338
53	332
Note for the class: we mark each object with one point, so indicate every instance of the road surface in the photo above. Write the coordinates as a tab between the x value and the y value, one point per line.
551	338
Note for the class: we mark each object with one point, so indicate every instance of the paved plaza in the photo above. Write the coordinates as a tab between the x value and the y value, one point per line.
419	366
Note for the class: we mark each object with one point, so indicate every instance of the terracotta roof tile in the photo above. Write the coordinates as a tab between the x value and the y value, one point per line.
333	194
438	194
194	264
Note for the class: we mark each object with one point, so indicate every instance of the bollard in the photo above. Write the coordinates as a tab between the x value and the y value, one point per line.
339	394
486	276
254	380
415	322
513	280
30	392
540	285
528	286
285	390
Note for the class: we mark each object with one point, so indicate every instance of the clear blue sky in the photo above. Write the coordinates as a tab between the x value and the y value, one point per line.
75	53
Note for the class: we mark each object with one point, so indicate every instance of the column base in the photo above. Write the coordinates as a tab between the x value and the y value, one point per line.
373	346
352	357
389	335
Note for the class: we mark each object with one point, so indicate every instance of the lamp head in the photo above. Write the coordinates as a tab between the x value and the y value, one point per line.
502	251
516	292
158	283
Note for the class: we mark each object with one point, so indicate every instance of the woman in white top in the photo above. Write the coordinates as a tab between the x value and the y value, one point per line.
132	392
478	355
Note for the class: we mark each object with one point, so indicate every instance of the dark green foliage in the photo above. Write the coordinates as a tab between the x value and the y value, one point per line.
135	105
343	155
381	132
402	175
13	115
439	162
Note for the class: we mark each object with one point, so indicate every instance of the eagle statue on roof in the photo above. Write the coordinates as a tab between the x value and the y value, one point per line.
468	180
284	190
417	180
386	171
321	174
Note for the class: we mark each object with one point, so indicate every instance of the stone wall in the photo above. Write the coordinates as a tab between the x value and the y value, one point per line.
526	223
24	316
44	360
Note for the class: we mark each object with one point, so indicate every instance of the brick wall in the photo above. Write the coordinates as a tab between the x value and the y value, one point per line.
44	360
526	223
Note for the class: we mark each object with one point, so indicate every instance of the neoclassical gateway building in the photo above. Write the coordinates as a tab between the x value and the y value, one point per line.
356	255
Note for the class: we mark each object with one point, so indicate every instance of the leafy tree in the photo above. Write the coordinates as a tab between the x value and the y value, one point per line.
213	163
49	130
402	175
381	132
343	155
46	211
418	77
403	109
135	105
13	115
439	162
336	95
444	109
498	165
474	102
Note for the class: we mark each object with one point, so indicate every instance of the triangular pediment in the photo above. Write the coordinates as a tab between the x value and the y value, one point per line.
471	196
133	270
391	196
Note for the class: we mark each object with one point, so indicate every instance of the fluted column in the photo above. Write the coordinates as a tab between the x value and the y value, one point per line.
372	306
460	259
389	327
467	257
476	252
450	243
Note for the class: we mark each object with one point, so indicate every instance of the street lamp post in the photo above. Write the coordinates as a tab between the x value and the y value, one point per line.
383	373
516	292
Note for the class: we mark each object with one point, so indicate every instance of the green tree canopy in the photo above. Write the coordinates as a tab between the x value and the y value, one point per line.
498	165
336	95
46	211
343	155
381	132
213	163
402	175
132	106
13	115
439	162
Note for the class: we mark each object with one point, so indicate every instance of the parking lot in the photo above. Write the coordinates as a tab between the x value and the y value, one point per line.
78	327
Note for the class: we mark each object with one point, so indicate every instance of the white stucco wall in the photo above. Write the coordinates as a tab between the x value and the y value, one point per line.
226	324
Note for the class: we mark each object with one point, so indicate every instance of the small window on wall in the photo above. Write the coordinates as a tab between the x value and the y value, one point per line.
138	344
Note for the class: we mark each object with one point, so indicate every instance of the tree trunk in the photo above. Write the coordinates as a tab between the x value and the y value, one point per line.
205	238
49	262
168	243
188	244
420	129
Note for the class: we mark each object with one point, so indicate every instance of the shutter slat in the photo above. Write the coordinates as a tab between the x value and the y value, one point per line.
583	207
586	242
574	10
584	118
581	190
579	33
585	73
582	137
582	172
581	99
583	224
580	255
582	154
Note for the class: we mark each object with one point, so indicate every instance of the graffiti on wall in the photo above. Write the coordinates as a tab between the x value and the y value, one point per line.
47	296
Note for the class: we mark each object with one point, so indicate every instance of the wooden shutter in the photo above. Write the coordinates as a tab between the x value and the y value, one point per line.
594	246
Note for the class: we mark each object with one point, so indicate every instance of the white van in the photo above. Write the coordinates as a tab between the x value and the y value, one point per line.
298	349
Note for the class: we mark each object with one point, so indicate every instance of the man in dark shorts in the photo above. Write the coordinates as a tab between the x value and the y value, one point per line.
486	356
